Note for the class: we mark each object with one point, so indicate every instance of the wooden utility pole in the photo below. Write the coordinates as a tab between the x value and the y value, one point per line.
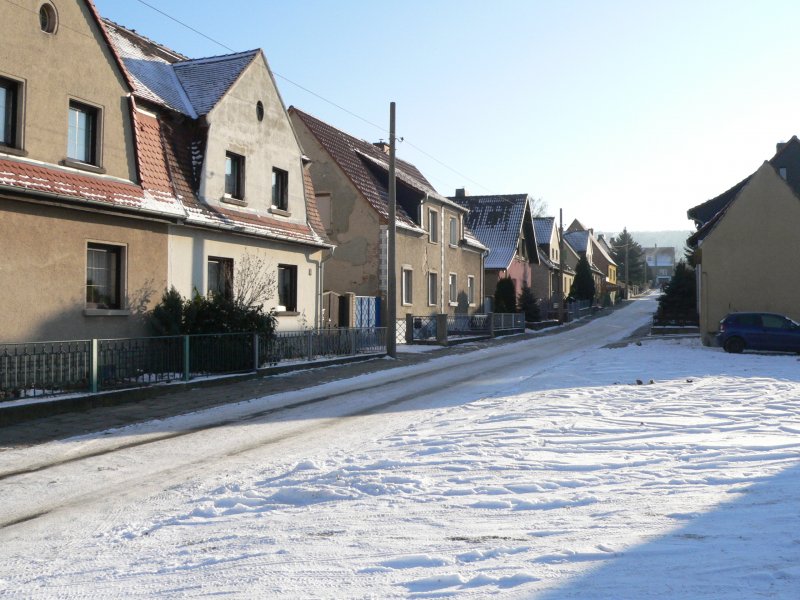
391	291
561	265
627	279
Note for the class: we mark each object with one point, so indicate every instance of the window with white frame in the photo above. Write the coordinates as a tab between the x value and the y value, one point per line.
234	176
406	281
104	276
433	288
433	226
83	133
453	283
219	273
9	110
287	287
453	231
471	289
280	189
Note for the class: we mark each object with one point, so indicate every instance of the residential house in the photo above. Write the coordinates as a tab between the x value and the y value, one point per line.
602	258
582	241
83	238
746	243
111	191
439	262
219	128
504	224
552	266
660	265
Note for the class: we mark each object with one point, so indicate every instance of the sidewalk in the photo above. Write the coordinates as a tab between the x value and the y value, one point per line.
161	402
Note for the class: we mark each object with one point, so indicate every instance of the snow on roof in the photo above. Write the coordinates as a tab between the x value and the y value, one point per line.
206	80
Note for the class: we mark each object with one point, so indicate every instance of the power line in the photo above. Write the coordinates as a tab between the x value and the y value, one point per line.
315	94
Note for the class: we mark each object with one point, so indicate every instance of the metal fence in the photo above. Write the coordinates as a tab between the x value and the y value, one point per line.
509	321
400	332
461	325
424	328
578	309
50	368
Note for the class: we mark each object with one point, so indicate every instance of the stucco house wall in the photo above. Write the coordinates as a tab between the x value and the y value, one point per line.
746	259
43	272
74	63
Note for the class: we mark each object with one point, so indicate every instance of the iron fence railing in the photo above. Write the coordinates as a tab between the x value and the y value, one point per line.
578	309
467	325
509	321
42	368
51	368
424	328
400	332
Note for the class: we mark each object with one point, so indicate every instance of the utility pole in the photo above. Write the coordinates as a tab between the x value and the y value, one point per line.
561	265
627	279
391	291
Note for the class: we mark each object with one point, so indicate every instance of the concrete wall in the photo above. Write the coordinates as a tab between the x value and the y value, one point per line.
190	248
43	272
747	260
234	127
73	63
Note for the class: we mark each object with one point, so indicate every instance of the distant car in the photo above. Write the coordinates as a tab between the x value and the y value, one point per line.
758	331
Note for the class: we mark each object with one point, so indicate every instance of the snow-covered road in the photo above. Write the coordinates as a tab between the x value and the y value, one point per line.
529	470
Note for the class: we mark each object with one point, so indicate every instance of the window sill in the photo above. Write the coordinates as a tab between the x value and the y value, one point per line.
106	312
434	242
279	211
12	150
454	246
287	313
231	200
406	304
451	303
82	166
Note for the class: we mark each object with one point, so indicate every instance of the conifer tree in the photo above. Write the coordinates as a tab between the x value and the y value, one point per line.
583	284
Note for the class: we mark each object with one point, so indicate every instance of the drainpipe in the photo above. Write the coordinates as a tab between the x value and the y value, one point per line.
319	322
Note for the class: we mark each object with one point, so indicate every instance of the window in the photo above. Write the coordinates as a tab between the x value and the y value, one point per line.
471	289
432	289
260	111
104	276
287	287
453	288
220	277
234	176
83	133
280	189
453	231
433	226
406	281
9	94
48	20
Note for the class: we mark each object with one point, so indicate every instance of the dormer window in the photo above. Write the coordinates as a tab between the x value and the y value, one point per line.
234	176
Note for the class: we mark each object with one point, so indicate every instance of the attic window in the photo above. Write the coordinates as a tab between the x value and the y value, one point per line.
48	19
782	172
260	111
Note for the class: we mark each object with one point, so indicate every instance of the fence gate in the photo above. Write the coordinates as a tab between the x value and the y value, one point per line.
368	311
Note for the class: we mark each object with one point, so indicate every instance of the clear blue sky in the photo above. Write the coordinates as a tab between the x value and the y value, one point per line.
623	113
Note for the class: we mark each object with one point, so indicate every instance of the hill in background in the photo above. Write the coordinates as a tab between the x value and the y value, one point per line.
663	239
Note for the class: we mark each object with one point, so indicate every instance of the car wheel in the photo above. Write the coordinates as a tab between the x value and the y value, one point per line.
734	345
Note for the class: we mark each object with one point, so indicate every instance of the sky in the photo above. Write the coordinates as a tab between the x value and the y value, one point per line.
621	113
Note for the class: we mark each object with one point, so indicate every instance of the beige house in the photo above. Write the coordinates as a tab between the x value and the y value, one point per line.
746	241
551	268
439	261
112	177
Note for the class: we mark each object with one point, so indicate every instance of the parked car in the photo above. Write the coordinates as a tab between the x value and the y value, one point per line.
758	331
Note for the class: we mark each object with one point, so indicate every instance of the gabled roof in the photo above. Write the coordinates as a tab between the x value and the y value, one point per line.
192	87
579	240
705	215
354	157
544	229
497	222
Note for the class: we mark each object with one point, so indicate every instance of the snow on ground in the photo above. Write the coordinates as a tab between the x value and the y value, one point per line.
572	483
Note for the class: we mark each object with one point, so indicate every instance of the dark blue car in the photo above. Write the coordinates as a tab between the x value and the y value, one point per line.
758	331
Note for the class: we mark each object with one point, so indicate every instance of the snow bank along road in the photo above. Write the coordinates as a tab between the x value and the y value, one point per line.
529	470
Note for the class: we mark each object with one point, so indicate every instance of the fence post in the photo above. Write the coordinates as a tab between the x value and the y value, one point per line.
409	329
256	361
441	329
310	346
490	318
93	383
186	362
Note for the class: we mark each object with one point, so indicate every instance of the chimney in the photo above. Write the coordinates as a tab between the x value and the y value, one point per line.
382	146
461	193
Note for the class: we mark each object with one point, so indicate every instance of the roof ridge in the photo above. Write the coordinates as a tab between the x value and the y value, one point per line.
133	32
216	58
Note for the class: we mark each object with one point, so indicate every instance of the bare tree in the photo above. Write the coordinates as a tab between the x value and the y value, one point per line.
255	280
538	207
